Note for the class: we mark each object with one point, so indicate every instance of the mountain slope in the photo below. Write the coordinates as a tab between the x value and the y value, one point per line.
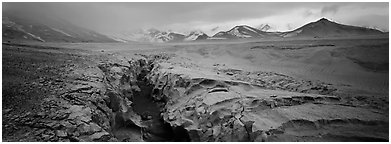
241	31
244	31
196	35
175	37
17	28
326	28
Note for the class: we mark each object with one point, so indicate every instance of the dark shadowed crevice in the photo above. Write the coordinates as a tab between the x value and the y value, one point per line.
156	128
152	128
143	103
181	134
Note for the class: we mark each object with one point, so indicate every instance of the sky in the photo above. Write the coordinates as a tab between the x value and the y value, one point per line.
108	18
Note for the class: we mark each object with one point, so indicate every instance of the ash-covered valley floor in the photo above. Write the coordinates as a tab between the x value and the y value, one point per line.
289	90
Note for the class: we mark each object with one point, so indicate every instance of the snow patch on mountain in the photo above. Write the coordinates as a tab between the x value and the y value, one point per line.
194	35
264	27
250	29
118	39
34	36
237	33
60	31
219	34
18	27
162	37
9	23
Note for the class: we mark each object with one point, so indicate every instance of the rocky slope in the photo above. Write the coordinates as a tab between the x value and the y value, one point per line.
59	98
17	28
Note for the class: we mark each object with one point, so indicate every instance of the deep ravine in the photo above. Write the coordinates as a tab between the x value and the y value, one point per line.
140	120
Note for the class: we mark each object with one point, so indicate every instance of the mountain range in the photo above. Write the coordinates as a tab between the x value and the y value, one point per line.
25	29
154	35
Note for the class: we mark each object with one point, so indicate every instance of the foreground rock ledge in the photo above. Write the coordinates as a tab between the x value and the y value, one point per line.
215	108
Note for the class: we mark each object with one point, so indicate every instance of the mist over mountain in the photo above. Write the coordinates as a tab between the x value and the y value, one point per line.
177	22
182	18
16	28
19	28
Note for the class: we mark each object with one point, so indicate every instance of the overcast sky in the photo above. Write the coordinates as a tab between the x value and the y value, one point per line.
208	17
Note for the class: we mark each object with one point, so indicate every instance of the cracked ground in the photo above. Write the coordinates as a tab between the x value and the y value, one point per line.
317	91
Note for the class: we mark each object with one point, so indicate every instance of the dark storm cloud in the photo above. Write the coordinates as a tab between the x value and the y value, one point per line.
136	14
108	17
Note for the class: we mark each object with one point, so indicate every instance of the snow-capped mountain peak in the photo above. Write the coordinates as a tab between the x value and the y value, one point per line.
196	35
239	33
242	31
264	27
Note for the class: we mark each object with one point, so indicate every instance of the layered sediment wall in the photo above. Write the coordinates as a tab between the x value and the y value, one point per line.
152	100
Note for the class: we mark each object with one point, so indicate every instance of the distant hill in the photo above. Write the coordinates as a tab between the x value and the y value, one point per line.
327	28
16	28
